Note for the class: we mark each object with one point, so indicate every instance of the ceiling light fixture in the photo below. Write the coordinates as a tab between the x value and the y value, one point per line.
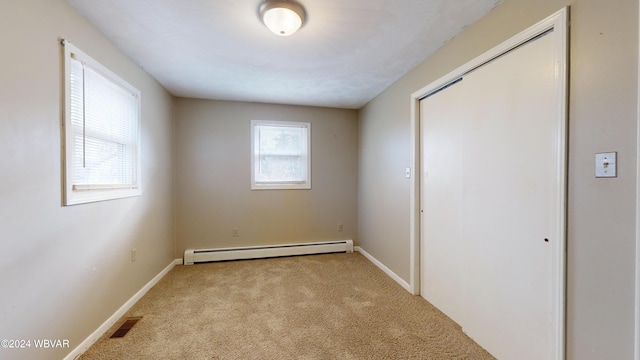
282	17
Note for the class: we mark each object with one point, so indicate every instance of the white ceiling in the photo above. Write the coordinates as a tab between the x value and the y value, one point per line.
347	53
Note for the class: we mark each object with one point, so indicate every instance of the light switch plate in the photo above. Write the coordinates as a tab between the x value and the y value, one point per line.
606	165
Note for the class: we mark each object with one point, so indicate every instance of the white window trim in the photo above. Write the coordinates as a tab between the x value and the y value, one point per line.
80	194
255	159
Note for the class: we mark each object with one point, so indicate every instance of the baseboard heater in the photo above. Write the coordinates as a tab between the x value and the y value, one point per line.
192	256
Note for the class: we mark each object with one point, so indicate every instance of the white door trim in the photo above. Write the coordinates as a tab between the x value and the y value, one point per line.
637	299
557	22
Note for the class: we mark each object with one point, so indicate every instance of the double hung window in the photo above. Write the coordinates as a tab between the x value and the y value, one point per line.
281	157
101	126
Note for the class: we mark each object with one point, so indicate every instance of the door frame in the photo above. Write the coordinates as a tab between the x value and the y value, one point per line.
558	22
636	342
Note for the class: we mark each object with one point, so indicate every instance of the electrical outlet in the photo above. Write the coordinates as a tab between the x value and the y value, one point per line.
133	254
340	227
235	232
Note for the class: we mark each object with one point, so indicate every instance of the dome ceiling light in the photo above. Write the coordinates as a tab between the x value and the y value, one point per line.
282	17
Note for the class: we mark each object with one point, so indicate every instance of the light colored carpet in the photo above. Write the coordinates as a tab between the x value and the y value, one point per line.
334	306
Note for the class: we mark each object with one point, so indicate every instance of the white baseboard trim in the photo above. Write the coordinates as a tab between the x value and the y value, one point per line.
86	344
385	269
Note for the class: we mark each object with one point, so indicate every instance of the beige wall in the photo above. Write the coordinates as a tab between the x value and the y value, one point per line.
212	177
601	220
65	270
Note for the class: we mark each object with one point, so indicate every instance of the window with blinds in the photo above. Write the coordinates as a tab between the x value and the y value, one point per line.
281	155
101	128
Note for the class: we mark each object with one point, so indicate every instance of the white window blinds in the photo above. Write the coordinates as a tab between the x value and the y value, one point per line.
102	125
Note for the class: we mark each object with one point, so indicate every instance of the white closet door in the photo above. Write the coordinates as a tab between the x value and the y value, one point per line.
489	187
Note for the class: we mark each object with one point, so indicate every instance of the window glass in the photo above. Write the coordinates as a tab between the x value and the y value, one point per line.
101	122
281	158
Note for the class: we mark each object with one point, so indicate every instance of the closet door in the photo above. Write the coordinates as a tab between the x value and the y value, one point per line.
490	152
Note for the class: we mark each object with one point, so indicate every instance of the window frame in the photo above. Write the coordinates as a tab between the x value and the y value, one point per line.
74	194
255	157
